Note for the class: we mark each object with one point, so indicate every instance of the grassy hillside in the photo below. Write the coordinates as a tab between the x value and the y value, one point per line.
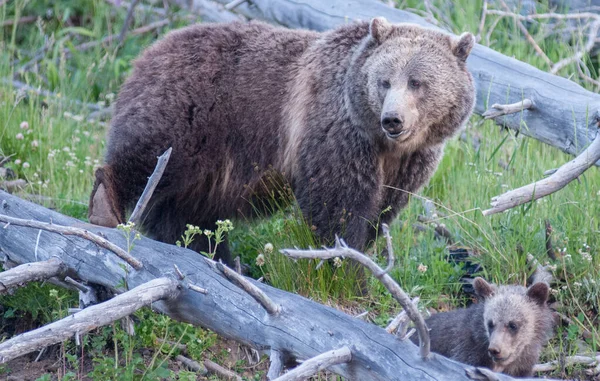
52	142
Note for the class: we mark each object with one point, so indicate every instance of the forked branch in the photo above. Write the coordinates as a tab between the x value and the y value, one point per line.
341	249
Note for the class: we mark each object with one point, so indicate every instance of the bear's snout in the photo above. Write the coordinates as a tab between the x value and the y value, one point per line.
392	124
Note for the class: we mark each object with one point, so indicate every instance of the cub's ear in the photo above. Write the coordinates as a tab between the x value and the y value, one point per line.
538	292
379	28
462	46
483	288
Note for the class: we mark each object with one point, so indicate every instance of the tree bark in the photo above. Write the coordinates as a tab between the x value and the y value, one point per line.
301	330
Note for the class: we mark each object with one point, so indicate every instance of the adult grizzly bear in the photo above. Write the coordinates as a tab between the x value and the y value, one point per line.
340	114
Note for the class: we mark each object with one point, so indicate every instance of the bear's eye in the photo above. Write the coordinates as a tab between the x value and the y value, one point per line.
386	84
490	325
512	326
414	84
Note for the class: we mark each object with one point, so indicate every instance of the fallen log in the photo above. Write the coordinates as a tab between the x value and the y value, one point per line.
300	330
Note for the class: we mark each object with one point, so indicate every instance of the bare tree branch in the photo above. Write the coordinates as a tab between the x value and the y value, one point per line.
314	365
499	110
153	181
251	289
70	230
558	180
342	250
89	318
276	366
29	272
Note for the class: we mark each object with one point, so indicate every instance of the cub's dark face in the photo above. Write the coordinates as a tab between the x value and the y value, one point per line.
418	83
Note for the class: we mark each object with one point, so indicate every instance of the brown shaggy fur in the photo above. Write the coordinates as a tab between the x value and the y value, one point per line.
234	100
505	332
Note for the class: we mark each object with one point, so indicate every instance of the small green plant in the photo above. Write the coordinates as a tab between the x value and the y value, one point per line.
214	237
130	234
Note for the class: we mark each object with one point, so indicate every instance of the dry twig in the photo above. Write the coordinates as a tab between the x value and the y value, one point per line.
252	290
568	361
70	230
342	250
499	110
153	181
217	369
564	175
530	39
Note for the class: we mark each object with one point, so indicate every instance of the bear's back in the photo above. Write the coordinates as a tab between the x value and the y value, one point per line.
202	90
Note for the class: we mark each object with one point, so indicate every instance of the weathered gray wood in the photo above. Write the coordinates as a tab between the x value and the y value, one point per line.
153	181
564	114
342	250
553	183
88	318
316	364
29	272
303	329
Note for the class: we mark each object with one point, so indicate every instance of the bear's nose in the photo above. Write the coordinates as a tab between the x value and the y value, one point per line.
392	123
494	352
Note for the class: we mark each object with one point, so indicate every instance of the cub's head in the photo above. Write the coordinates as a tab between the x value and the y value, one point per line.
517	321
418	83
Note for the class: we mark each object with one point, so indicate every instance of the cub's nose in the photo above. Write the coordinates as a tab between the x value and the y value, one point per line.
392	124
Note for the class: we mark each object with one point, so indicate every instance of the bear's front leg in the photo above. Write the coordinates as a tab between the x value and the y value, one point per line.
338	191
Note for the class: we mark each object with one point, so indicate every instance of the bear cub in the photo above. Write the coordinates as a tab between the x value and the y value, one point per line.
505	332
354	119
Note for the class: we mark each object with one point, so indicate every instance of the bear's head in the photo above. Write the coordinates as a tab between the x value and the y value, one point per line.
417	83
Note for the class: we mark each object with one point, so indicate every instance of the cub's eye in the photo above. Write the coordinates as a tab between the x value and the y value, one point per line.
512	326
386	84
414	84
490	325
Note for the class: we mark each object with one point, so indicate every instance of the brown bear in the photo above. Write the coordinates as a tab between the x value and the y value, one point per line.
505	332
341	115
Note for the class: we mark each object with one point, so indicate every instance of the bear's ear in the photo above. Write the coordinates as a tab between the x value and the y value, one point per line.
538	292
483	288
379	28
463	45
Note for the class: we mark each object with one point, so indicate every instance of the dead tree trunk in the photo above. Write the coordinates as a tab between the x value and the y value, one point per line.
297	329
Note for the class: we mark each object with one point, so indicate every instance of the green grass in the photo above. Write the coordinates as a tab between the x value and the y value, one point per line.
59	150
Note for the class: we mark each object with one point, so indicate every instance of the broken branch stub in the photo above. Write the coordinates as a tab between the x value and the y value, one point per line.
89	318
316	364
153	181
276	367
499	109
251	289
